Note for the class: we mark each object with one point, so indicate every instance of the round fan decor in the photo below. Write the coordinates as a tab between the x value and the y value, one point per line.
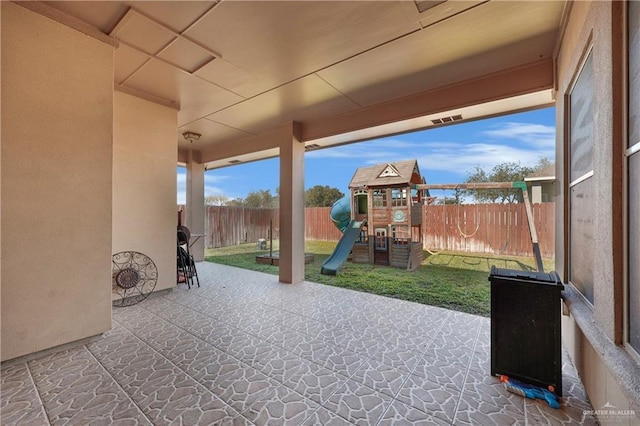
134	277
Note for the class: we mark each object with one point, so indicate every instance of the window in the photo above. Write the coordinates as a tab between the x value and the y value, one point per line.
581	191
398	197
633	176
400	235
379	197
360	201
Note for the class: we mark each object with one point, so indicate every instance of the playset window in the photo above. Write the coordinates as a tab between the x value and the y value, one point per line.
360	203
379	197
400	235
399	197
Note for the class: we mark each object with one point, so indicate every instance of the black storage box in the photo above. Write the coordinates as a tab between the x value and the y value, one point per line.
525	327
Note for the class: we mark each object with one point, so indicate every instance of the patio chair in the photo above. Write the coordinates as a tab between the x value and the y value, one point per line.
185	263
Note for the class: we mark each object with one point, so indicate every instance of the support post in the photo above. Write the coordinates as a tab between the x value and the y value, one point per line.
532	225
292	207
194	219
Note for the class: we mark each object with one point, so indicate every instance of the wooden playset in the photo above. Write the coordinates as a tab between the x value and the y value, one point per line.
383	199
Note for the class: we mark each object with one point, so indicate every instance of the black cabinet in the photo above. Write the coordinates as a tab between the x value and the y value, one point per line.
525	327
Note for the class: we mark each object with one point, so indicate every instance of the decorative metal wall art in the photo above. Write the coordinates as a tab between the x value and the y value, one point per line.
134	276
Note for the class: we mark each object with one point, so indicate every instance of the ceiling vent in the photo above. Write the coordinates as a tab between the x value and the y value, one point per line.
311	147
450	119
424	5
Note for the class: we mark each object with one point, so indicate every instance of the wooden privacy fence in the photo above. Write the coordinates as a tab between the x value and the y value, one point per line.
227	226
478	228
488	228
318	225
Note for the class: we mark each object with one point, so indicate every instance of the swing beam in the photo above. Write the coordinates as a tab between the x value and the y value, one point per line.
499	185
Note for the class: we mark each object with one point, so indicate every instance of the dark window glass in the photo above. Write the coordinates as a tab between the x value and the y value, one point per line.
581	211
634	251
361	204
582	244
581	126
634	176
634	73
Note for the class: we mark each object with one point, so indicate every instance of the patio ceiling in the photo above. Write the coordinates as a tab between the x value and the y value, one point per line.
238	70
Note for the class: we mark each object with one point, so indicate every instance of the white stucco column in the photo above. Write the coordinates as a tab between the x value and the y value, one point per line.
292	207
194	219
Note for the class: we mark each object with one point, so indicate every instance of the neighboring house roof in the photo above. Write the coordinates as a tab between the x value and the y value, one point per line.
548	174
385	174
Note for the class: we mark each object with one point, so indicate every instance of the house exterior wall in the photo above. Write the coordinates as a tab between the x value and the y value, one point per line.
144	182
57	114
592	333
541	192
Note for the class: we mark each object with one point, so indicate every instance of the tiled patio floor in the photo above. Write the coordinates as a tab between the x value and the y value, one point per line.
244	349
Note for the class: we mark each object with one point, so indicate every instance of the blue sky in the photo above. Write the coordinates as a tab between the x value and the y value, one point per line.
445	155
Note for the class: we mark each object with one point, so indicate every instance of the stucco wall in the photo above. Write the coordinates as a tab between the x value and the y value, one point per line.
144	182
592	334
57	103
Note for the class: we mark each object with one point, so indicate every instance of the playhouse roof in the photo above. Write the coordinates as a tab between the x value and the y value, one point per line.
385	174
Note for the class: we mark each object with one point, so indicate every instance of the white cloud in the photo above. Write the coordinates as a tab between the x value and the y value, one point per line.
537	135
212	185
462	159
451	157
370	152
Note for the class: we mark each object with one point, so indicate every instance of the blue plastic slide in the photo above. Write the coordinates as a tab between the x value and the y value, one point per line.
341	213
342	250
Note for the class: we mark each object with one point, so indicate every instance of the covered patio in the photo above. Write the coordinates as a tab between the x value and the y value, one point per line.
102	100
244	349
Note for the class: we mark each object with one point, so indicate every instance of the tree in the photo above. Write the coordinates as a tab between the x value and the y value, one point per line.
321	196
543	163
216	200
236	202
457	198
503	172
261	199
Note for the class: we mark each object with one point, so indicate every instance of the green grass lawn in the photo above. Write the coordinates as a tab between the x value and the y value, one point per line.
452	280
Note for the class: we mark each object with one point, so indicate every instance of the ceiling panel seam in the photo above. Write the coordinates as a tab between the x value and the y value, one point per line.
355	55
176	34
135	70
284	83
339	91
222	124
460	12
200	18
316	71
185	71
129	15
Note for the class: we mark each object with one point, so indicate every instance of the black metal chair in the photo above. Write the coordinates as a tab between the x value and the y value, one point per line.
185	263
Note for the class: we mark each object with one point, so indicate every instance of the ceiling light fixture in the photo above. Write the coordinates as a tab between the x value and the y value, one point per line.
191	136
